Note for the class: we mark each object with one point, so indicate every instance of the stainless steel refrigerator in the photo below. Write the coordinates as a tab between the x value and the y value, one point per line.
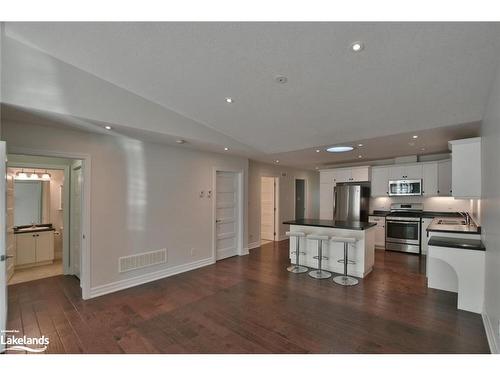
351	201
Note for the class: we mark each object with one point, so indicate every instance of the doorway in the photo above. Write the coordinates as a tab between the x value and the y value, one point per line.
268	209
42	222
300	199
228	213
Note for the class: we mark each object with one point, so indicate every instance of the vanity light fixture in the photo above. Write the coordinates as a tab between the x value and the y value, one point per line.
46	176
34	176
340	149
21	175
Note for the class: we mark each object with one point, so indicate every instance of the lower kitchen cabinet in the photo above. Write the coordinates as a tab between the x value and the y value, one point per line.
379	230
423	235
34	247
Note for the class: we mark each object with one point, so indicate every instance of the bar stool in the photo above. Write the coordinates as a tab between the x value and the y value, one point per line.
297	268
344	279
319	273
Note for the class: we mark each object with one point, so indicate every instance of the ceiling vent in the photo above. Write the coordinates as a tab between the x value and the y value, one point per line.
281	79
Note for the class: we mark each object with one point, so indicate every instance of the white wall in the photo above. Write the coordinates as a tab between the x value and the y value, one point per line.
286	195
145	196
490	209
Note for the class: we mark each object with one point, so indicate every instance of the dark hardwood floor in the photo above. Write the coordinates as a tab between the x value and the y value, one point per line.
251	304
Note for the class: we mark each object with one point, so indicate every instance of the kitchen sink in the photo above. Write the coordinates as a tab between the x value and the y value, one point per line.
451	222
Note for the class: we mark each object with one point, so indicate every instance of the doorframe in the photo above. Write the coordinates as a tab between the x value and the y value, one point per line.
240	175
276	205
85	266
306	189
65	169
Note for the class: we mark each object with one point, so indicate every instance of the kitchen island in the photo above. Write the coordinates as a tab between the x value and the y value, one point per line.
362	252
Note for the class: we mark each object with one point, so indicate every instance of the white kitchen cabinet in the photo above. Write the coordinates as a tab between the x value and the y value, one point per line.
466	167
380	181
430	179
405	172
326	177
34	247
342	175
444	178
379	230
326	201
425	223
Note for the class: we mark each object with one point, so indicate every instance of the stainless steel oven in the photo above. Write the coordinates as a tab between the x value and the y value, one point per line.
405	187
403	234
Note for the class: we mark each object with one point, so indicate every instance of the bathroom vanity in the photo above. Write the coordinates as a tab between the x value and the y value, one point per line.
34	245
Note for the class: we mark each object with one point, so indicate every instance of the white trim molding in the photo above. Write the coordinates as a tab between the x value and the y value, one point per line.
143	279
489	327
254	245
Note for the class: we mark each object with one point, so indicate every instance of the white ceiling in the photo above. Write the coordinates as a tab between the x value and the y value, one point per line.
410	76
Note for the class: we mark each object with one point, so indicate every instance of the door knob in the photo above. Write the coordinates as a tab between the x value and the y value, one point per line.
3	258
218	221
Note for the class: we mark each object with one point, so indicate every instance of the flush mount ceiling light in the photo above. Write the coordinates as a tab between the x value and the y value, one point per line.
226	148
229	100
415	136
339	149
280	79
180	141
360	145
107	127
357	46
318	150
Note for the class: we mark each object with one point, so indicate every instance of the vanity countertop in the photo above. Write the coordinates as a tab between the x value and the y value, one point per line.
31	229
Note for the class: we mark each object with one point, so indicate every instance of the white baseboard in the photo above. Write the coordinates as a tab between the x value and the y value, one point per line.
282	238
245	251
138	280
491	335
254	245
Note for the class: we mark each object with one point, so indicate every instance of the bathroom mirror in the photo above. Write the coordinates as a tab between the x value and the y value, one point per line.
30	198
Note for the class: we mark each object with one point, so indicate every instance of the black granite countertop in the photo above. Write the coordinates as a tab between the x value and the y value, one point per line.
353	225
457	243
425	214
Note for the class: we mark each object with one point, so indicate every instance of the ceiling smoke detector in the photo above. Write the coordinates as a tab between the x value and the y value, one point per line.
280	79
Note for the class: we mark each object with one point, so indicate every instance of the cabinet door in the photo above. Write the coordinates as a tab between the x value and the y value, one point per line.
425	224
360	174
413	172
325	177
326	201
380	182
25	248
430	179
379	230
45	246
342	175
444	178
396	172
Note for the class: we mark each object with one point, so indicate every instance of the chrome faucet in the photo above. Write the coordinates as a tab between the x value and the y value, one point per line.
466	217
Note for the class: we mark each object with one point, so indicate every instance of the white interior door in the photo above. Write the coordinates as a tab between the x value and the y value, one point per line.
3	249
267	208
75	235
226	214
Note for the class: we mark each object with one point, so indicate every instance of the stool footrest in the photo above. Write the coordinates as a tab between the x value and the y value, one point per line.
322	258
294	252
348	262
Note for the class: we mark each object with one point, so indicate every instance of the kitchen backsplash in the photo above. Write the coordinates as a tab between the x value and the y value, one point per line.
443	204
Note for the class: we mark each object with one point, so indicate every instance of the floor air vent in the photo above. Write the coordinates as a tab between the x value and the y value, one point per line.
136	261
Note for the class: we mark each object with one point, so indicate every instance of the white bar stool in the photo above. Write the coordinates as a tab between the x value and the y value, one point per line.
345	279
297	268
319	273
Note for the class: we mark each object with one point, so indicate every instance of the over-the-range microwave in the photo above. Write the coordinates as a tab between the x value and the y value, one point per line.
405	187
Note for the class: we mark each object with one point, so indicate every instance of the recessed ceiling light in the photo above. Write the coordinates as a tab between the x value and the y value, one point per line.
226	148
180	141
280	79
360	145
316	167
339	149
318	150
360	156
415	137
357	46
276	161
107	127
229	100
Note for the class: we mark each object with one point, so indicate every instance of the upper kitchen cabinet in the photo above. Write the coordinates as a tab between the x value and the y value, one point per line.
405	172
380	181
466	167
354	174
444	178
430	179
